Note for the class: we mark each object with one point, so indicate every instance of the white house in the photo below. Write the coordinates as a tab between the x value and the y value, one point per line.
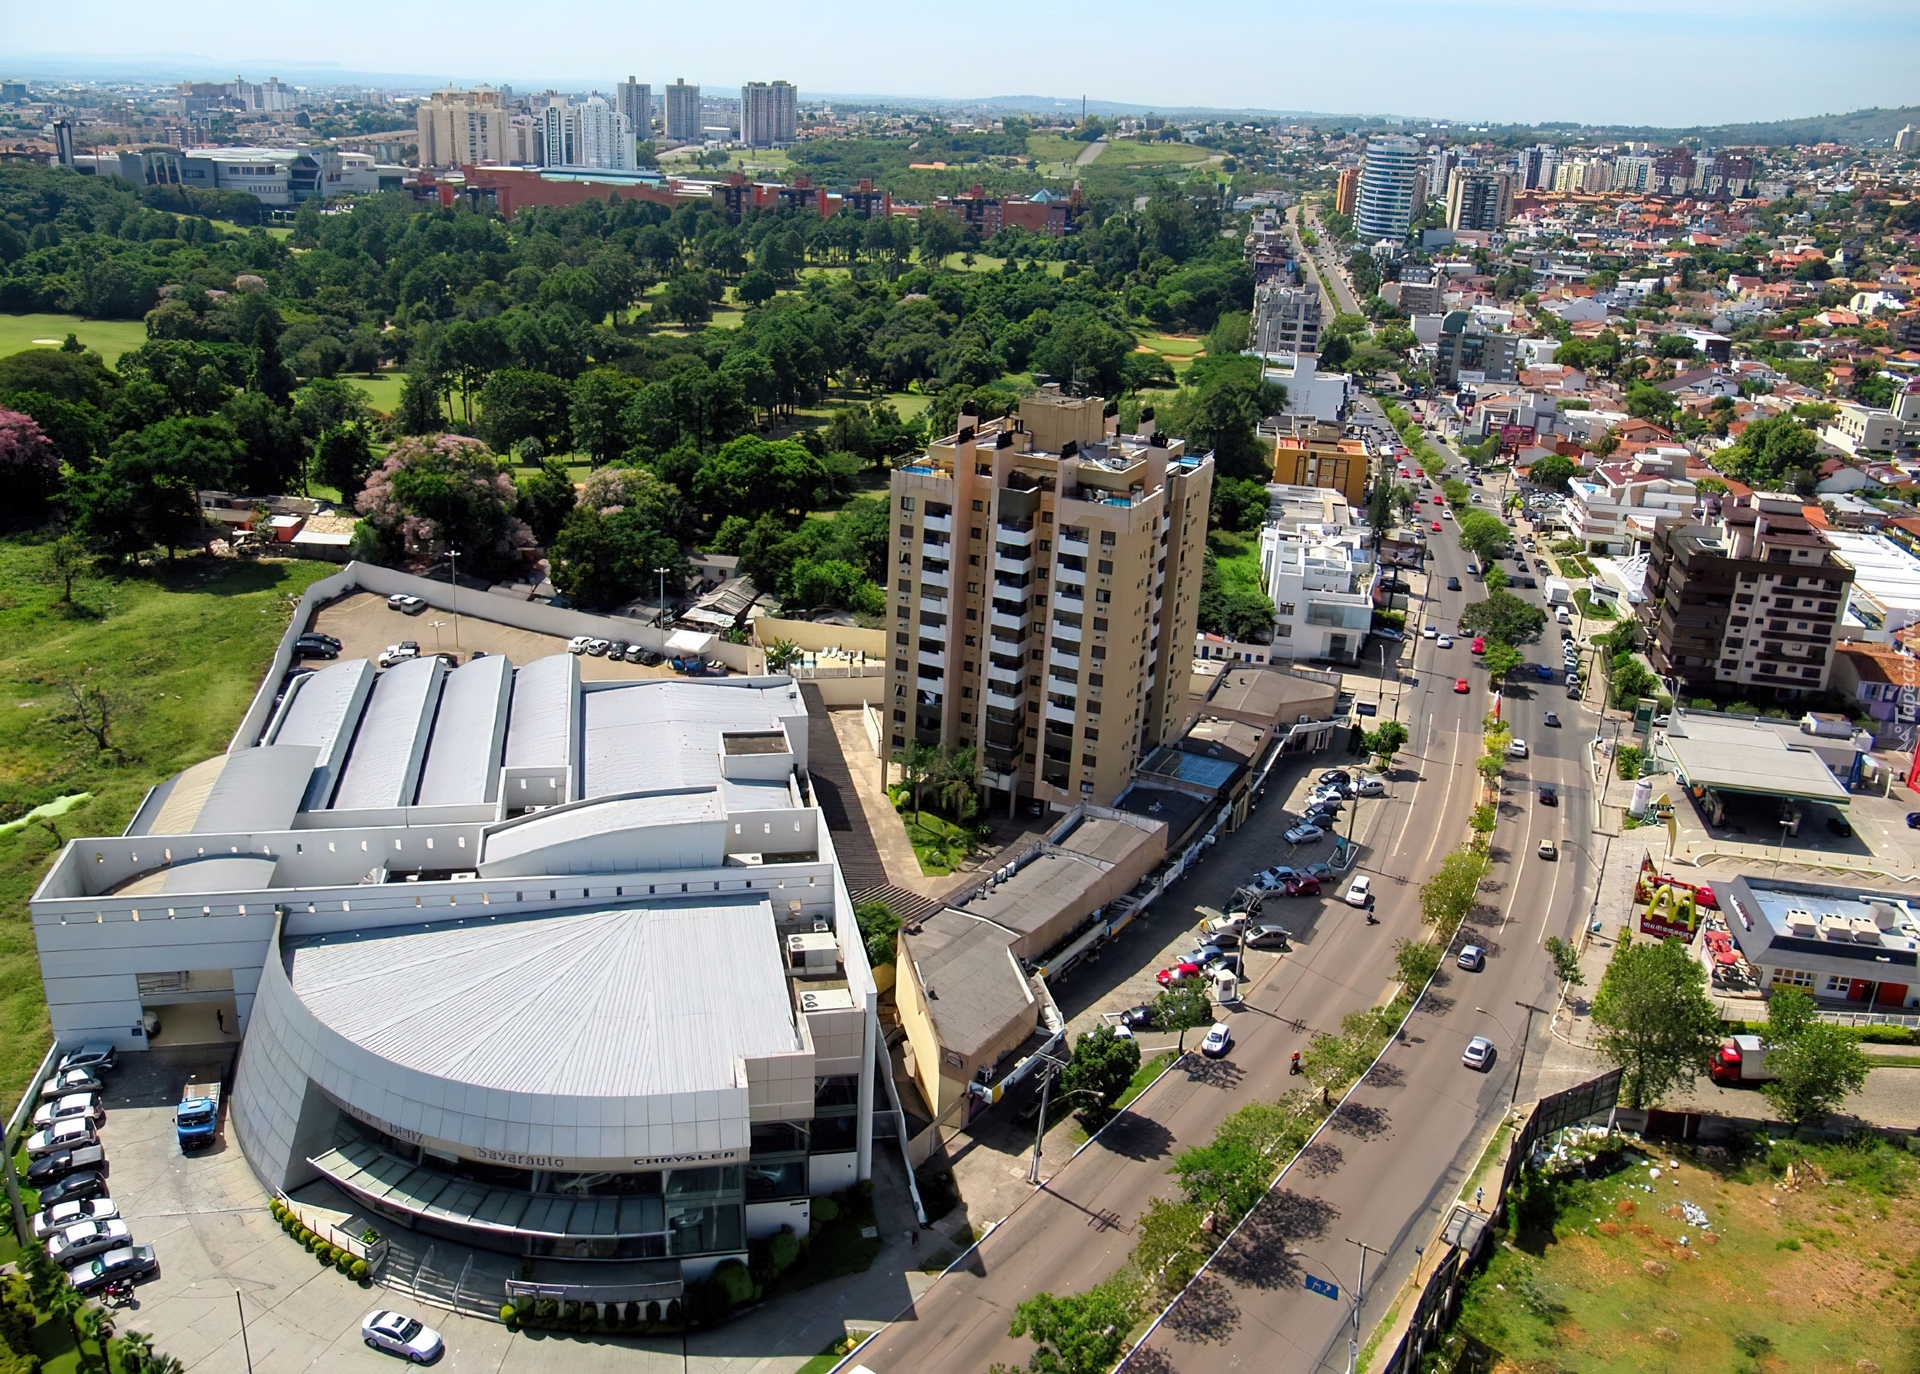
1321	580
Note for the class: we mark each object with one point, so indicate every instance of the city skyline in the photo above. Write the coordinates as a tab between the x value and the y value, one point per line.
1416	56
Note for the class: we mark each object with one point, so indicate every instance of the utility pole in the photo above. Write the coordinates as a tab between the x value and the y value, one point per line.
1047	1072
245	1348
661	619
453	580
1359	1292
1525	1035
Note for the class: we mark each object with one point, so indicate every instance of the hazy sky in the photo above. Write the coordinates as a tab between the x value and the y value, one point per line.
1615	61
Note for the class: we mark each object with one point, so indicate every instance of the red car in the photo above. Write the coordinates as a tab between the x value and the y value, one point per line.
1436	527
1306	885
1177	973
1479	644
1459	684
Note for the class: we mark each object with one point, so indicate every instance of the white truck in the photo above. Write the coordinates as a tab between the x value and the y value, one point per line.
1557	590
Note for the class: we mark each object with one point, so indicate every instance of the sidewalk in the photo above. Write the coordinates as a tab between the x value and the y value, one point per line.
889	835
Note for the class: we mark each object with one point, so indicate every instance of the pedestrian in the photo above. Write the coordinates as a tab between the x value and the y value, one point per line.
1478	1193
916	1237
220	1019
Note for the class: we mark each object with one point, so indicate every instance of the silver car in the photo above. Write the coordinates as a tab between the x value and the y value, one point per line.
87	1239
1480	1054
62	1215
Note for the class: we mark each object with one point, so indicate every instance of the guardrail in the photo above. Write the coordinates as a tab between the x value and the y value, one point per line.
22	1111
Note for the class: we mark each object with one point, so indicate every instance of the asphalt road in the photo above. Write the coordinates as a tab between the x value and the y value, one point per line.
1329	271
1381	1173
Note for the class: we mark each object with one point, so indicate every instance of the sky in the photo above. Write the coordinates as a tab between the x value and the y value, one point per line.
1653	62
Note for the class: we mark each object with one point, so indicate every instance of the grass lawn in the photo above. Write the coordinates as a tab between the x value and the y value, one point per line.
1817	1275
110	338
938	843
1053	148
986	262
1148	1071
1593	610
181	650
1131	152
1238	559
382	391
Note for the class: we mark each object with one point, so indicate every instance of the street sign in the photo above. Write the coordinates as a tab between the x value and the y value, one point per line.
1322	1287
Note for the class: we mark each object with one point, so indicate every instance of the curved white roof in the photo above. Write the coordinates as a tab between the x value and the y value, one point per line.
540	731
463	758
384	764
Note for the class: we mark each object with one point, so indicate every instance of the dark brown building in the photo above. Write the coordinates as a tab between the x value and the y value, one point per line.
1751	604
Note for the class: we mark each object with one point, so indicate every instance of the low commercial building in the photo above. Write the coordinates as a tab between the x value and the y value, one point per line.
1601	504
1322	586
1883	680
1316	455
1849	948
1311	393
550	967
1041	213
1724	760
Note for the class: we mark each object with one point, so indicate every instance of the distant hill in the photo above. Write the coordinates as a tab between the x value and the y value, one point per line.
1859	128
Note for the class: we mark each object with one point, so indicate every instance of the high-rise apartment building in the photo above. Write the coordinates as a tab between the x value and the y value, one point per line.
683	112
1346	191
1045	587
1536	166
590	134
1385	205
769	114
1479	200
1751	602
463	128
1286	318
635	100
1905	141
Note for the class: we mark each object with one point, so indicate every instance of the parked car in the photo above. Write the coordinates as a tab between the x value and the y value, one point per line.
1472	959
410	605
62	1136
87	1238
72	1105
398	1334
1137	1018
635	654
96	1055
1267	937
1837	824
652	658
135	1262
1202	956
1480	1054
321	638
1359	891
1333	775
72	1081
1370	787
72	1188
60	1163
1305	834
1552	718
1453	584
1387	632
1219	1040
1460	684
1573	690
1305	885
1178	973
62	1215
398	653
316	648
1573	679
1271	879
1549	797
598	647
578	644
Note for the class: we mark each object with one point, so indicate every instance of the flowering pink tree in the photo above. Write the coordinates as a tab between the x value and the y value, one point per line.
29	466
440	492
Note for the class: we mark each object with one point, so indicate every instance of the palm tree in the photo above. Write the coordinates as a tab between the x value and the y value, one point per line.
953	780
916	762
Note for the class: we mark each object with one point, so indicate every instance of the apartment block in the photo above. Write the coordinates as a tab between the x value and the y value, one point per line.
462	128
1479	200
1346	191
1469	351
634	99
1286	318
1751	603
1044	596
592	134
1321	580
1315	455
683	112
1388	194
769	114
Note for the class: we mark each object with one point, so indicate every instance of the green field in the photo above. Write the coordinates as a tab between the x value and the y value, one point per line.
985	262
1237	559
1128	152
382	392
1053	148
178	651
110	337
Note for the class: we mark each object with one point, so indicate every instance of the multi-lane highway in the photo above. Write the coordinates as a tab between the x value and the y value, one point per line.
1391	1162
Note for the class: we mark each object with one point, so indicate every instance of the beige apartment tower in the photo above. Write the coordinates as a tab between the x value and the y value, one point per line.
464	129
1044	583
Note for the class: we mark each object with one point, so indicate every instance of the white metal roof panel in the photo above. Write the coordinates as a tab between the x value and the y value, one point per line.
325	707
463	757
259	789
639	1001
545	693
582	821
384	764
665	734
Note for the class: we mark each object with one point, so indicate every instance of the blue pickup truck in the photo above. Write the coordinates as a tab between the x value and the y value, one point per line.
197	1119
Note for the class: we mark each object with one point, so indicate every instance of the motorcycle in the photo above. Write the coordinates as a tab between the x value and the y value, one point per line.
118	1293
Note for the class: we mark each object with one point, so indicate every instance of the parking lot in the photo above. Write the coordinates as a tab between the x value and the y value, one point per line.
364	626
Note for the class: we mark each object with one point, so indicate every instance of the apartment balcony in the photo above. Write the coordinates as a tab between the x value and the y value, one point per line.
1003	621
1003	564
930	659
1078	548
1056	659
1006	695
1017	532
938	545
937	605
942	524
930	577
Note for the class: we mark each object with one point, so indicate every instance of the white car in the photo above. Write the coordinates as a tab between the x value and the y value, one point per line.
1517	749
1472	959
70	1134
1370	787
85	1239
398	1334
1443	642
73	1104
578	644
398	653
65	1214
72	1081
412	605
1480	1054
1446	514
1360	891
1429	630
598	647
1219	1040
1305	834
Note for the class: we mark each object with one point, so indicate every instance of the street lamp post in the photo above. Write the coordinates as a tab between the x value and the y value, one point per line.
1520	1067
660	619
453	580
1047	1072
1359	1292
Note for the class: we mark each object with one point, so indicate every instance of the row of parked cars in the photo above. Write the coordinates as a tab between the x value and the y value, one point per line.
615	650
77	1219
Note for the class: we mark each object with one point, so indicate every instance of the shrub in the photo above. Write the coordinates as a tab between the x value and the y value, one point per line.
589	1317
509	1316
324	1253
783	1249
547	1308
360	1272
673	1309
825	1209
733	1283
569	1311
344	1261
653	1312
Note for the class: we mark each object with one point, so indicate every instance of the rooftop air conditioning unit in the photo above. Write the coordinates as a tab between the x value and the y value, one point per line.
827	999
468	876
811	951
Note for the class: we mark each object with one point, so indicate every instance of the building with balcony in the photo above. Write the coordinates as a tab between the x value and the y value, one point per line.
1384	204
543	966
1613	508
1043	594
769	114
1286	318
683	112
1315	455
1749	605
1321	579
1478	200
462	128
1468	351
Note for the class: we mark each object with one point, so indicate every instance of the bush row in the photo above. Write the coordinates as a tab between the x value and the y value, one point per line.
326	1253
551	1314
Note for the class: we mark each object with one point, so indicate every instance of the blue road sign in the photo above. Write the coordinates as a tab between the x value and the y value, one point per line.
1322	1287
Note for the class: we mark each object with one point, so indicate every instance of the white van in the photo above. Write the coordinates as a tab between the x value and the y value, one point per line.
1560	614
